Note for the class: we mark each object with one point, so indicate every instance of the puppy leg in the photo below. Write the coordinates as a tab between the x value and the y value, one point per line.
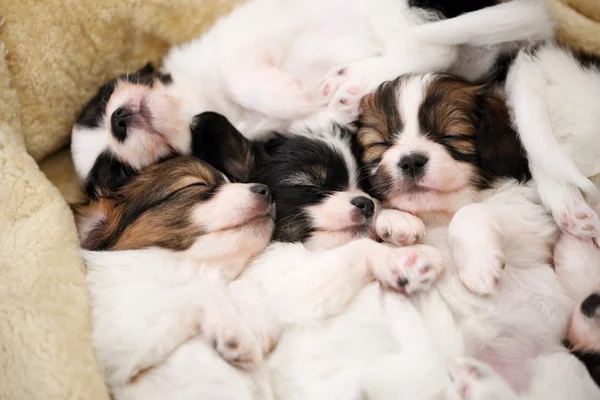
474	380
476	248
269	90
345	85
567	206
399	228
140	318
330	280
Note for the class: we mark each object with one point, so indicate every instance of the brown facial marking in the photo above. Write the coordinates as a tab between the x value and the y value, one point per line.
379	121
154	209
449	115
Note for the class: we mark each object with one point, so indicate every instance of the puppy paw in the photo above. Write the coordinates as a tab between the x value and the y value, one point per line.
342	92
579	219
475	380
480	273
399	228
409	269
232	339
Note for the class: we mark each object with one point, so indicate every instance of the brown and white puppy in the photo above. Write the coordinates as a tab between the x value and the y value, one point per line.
186	207
444	149
432	143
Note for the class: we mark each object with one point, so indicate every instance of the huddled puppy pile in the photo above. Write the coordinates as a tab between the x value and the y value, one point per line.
348	200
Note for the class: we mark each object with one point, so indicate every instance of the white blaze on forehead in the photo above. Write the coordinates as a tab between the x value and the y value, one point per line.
86	146
411	94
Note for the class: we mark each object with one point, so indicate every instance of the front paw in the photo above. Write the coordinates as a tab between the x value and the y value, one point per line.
232	339
474	380
480	270
399	228
409	269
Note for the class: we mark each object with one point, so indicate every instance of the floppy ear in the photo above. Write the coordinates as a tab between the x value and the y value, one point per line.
91	221
107	174
216	141
498	146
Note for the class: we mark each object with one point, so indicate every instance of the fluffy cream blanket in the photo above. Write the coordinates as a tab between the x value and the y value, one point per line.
53	56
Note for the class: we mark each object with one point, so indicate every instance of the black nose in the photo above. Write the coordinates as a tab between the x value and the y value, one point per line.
262	191
119	121
413	165
590	305
365	205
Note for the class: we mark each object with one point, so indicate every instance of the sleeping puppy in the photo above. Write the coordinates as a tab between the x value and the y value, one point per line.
168	303
261	84
443	149
552	92
177	233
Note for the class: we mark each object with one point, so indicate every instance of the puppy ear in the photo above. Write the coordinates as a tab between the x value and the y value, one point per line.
108	174
216	141
498	146
91	221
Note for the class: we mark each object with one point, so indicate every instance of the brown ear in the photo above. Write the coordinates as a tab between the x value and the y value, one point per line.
498	146
91	221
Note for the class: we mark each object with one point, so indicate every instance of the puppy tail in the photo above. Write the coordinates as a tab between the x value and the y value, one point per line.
516	20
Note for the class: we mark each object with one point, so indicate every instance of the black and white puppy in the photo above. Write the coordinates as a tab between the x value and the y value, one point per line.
315	179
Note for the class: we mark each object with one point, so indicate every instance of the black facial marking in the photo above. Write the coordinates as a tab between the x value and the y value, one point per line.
451	8
93	112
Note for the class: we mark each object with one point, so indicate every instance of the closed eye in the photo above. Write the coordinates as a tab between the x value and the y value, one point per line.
377	144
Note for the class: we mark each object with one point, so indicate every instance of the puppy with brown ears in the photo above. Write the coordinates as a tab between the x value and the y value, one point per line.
444	149
172	238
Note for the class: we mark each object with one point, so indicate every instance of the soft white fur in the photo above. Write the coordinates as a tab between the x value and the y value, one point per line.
556	113
339	335
274	64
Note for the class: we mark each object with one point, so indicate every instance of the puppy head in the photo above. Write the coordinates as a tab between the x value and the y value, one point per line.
133	121
184	206
430	142
315	179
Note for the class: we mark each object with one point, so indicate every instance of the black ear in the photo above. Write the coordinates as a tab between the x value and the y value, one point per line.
216	141
499	149
107	174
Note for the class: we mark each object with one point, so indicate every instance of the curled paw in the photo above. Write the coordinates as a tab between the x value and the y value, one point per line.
232	339
409	269
399	228
474	380
579	219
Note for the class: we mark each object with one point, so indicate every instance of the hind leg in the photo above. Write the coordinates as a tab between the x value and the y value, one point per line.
269	90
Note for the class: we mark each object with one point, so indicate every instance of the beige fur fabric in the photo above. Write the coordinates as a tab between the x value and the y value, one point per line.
53	56
56	53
